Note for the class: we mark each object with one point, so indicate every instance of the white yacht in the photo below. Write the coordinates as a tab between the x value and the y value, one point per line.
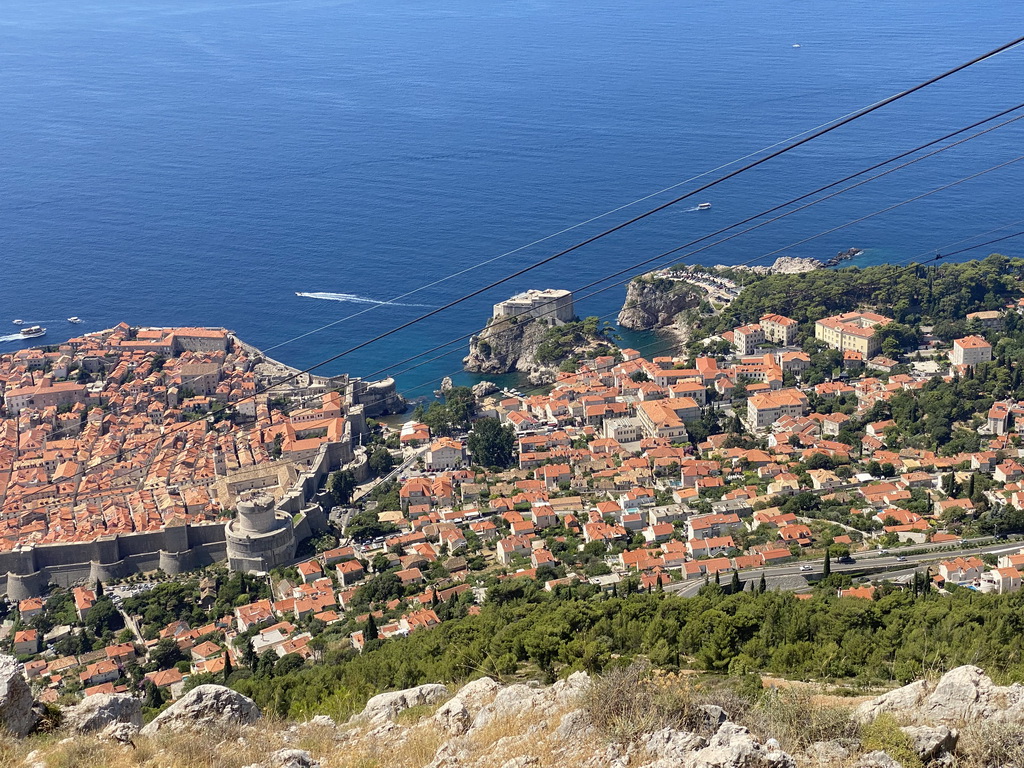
18	322
32	331
704	207
75	319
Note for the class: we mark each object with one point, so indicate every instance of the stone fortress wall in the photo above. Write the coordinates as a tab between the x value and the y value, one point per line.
554	304
29	569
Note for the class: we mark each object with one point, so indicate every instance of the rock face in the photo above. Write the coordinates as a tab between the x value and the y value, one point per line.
789	265
963	694
384	706
16	715
930	742
96	712
484	388
503	347
203	706
655	303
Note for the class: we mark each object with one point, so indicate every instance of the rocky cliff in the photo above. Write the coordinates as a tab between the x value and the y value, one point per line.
532	347
503	347
653	304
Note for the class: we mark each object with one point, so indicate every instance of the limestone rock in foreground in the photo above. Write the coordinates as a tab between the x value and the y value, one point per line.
16	715
385	706
203	706
964	694
96	712
931	742
733	746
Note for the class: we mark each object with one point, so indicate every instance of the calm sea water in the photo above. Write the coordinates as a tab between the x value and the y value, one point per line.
196	162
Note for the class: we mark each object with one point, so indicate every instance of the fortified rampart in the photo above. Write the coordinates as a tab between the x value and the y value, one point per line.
30	568
554	304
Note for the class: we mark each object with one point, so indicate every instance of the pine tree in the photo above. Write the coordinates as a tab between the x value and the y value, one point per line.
370	633
827	570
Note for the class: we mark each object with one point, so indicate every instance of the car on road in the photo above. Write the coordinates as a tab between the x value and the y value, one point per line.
806	568
901	559
846	560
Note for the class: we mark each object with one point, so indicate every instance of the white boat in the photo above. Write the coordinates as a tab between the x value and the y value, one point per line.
75	319
704	207
18	322
32	331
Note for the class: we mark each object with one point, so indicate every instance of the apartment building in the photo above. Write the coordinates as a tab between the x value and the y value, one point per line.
852	331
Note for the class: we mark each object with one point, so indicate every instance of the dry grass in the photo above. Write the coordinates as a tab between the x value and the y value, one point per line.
627	702
988	743
797	717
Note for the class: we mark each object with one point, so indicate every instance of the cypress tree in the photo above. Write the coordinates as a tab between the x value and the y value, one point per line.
827	570
99	589
762	586
227	665
370	633
737	585
970	487
718	578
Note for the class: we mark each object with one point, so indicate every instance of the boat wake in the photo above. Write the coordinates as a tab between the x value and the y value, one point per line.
12	337
351	297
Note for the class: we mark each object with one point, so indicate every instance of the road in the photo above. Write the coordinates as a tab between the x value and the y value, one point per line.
366	488
867	564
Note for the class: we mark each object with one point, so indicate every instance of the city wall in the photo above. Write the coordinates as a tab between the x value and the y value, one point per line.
28	570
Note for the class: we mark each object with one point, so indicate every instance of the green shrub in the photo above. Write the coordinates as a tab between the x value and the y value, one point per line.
884	733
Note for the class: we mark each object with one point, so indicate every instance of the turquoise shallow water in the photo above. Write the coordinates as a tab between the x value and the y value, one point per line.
201	162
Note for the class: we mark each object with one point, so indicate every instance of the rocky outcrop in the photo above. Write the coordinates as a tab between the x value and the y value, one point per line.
733	746
654	303
384	706
785	265
526	345
16	714
484	388
504	346
931	742
962	695
205	706
96	712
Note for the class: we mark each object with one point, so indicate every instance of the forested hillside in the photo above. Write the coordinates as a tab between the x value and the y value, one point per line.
522	629
910	294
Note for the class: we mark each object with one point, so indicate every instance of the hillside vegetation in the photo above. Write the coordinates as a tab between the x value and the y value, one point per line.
524	630
910	294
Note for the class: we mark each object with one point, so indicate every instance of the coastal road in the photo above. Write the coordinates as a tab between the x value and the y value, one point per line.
866	564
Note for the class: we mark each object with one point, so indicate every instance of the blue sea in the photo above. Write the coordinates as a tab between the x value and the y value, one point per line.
197	162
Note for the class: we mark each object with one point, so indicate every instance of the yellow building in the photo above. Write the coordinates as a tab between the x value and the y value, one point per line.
853	331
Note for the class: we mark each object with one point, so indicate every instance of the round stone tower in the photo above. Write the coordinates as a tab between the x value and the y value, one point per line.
260	537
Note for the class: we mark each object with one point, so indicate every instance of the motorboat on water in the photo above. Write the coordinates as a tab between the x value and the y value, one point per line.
75	319
18	322
32	331
704	207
